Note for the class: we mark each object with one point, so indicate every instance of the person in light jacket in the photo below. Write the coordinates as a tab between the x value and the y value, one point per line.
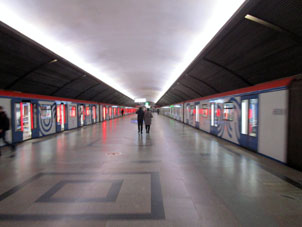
148	118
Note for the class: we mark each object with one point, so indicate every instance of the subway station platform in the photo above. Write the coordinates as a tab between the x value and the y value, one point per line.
109	175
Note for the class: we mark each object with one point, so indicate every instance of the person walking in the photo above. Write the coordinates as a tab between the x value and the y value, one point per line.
122	111
148	118
4	126
140	119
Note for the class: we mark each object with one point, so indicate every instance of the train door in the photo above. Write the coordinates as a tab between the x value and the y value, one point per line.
87	114
197	115
114	112
214	120
104	113
101	113
26	120
214	114
249	122
110	113
93	114
81	115
34	119
187	113
23	119
61	117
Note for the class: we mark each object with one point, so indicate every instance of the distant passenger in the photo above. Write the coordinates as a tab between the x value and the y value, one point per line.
140	119
157	111
4	126
122	112
148	118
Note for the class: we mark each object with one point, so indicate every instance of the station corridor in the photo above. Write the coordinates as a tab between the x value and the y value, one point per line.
107	174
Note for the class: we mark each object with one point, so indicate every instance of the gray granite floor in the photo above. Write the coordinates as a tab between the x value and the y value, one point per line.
109	175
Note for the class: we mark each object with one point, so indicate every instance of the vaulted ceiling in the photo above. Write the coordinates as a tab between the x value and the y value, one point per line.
138	45
264	46
28	67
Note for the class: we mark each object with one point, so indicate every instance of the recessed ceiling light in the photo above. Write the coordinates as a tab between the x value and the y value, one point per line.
53	61
263	22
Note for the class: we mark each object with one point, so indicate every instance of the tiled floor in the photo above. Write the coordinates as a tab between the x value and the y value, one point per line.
108	175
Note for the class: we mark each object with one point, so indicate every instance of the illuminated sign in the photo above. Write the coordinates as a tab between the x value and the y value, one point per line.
140	100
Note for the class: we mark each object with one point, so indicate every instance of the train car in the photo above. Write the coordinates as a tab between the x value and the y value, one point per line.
34	116
255	117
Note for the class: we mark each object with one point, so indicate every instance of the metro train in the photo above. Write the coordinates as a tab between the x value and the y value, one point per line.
34	116
259	118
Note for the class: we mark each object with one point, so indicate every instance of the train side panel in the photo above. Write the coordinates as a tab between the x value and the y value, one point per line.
273	124
6	104
97	109
72	115
204	117
47	118
228	122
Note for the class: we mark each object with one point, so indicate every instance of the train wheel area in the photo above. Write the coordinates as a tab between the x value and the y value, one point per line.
107	174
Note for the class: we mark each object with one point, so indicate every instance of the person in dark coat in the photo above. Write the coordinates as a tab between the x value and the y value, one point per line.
148	118
4	126
140	119
122	112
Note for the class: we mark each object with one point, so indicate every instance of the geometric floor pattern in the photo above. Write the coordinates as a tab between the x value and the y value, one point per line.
116	181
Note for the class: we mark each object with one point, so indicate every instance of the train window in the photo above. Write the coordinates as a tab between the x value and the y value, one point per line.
253	117
205	110
104	113
72	111
45	111
212	114
18	117
244	117
228	111
94	112
197	113
58	113
87	110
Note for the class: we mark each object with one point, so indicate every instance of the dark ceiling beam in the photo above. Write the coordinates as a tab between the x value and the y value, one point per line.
68	83
112	97
173	90
169	99
203	82
166	99
182	92
124	100
177	98
119	100
229	71
166	96
107	95
127	101
99	93
83	92
30	72
192	89
275	27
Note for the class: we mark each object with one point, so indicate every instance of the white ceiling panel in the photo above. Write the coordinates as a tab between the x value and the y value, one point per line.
139	47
